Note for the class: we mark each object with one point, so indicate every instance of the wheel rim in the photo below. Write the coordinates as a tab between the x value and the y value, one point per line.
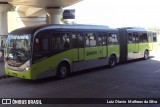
63	71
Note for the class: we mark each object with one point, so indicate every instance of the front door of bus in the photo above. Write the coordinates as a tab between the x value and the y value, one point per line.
78	47
90	46
136	43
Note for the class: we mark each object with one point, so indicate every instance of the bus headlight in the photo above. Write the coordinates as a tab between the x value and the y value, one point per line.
26	69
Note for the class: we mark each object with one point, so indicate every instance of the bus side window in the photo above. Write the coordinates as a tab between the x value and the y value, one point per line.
154	37
140	38
100	39
80	41
66	40
90	39
135	38
112	39
104	39
129	37
77	40
60	41
145	38
150	37
41	47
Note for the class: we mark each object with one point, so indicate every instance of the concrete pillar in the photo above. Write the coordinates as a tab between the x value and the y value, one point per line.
54	15
4	8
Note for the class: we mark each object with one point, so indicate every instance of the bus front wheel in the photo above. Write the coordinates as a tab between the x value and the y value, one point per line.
112	61
63	71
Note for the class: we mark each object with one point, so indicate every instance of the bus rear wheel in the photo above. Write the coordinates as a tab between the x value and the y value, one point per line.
63	71
146	55
112	61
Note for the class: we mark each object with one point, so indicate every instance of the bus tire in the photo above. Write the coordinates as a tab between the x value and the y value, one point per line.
63	71
112	61
146	55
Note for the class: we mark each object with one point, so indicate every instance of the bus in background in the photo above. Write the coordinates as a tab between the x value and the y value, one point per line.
58	50
137	43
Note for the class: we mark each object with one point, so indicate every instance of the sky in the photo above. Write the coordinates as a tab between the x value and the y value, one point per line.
118	13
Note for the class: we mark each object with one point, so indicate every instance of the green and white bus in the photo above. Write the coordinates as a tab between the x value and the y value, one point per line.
57	50
137	43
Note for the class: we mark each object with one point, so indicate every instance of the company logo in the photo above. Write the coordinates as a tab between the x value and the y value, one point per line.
91	53
6	101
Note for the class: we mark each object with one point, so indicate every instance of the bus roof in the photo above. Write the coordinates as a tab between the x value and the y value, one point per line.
34	29
134	29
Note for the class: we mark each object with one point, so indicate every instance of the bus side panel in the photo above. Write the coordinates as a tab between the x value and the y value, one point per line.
91	53
131	47
75	55
114	49
150	46
48	67
105	53
81	54
142	48
100	51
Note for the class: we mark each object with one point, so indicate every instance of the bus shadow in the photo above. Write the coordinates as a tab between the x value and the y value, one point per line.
79	73
55	79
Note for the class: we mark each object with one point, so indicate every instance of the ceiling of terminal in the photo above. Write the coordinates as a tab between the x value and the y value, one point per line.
42	3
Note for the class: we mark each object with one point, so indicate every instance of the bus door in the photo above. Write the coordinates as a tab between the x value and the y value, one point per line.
91	50
101	45
150	39
78	47
136	43
81	53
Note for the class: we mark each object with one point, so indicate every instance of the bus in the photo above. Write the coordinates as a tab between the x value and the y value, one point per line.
58	50
137	43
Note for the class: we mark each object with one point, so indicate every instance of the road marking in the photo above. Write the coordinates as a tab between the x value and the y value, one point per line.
156	71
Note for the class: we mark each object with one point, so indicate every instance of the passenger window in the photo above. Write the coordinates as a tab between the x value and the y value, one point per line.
77	40
41	47
129	37
80	41
154	37
66	40
135	38
143	38
90	39
104	39
100	40
140	38
60	41
112	39
150	37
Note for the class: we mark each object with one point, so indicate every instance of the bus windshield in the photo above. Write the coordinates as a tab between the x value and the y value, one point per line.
18	49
